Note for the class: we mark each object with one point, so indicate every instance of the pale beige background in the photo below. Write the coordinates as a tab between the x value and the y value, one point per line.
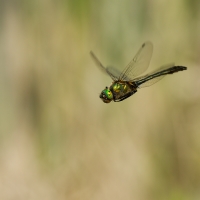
58	140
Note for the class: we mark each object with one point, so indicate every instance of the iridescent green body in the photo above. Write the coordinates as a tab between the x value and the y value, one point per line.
118	91
119	87
121	90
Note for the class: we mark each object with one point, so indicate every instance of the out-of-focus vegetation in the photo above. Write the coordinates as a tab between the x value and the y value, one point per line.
58	140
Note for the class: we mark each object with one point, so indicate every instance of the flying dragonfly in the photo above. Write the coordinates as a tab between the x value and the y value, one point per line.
126	82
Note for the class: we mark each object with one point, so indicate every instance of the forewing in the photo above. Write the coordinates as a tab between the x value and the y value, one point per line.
115	72
139	64
154	76
102	68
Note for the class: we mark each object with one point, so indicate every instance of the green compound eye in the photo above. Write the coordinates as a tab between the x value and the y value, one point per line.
106	95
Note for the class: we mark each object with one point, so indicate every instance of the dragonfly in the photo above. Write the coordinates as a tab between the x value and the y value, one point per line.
126	82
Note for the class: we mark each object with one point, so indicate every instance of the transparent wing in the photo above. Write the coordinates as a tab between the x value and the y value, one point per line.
115	72
155	76
139	64
105	70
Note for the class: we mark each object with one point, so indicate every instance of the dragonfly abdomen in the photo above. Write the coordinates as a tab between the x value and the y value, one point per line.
152	78
176	69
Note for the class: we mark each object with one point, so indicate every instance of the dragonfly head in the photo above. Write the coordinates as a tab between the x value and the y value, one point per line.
106	95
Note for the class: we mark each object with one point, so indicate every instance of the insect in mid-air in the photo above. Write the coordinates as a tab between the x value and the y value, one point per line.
126	82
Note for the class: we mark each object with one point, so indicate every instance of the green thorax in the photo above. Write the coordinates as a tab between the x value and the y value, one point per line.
118	87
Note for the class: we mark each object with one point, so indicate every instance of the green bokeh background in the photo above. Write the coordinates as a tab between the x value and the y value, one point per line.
58	140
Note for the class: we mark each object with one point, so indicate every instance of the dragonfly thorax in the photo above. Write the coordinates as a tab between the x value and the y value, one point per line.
122	90
118	87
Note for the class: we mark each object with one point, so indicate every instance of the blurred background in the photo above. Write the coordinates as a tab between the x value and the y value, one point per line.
58	140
